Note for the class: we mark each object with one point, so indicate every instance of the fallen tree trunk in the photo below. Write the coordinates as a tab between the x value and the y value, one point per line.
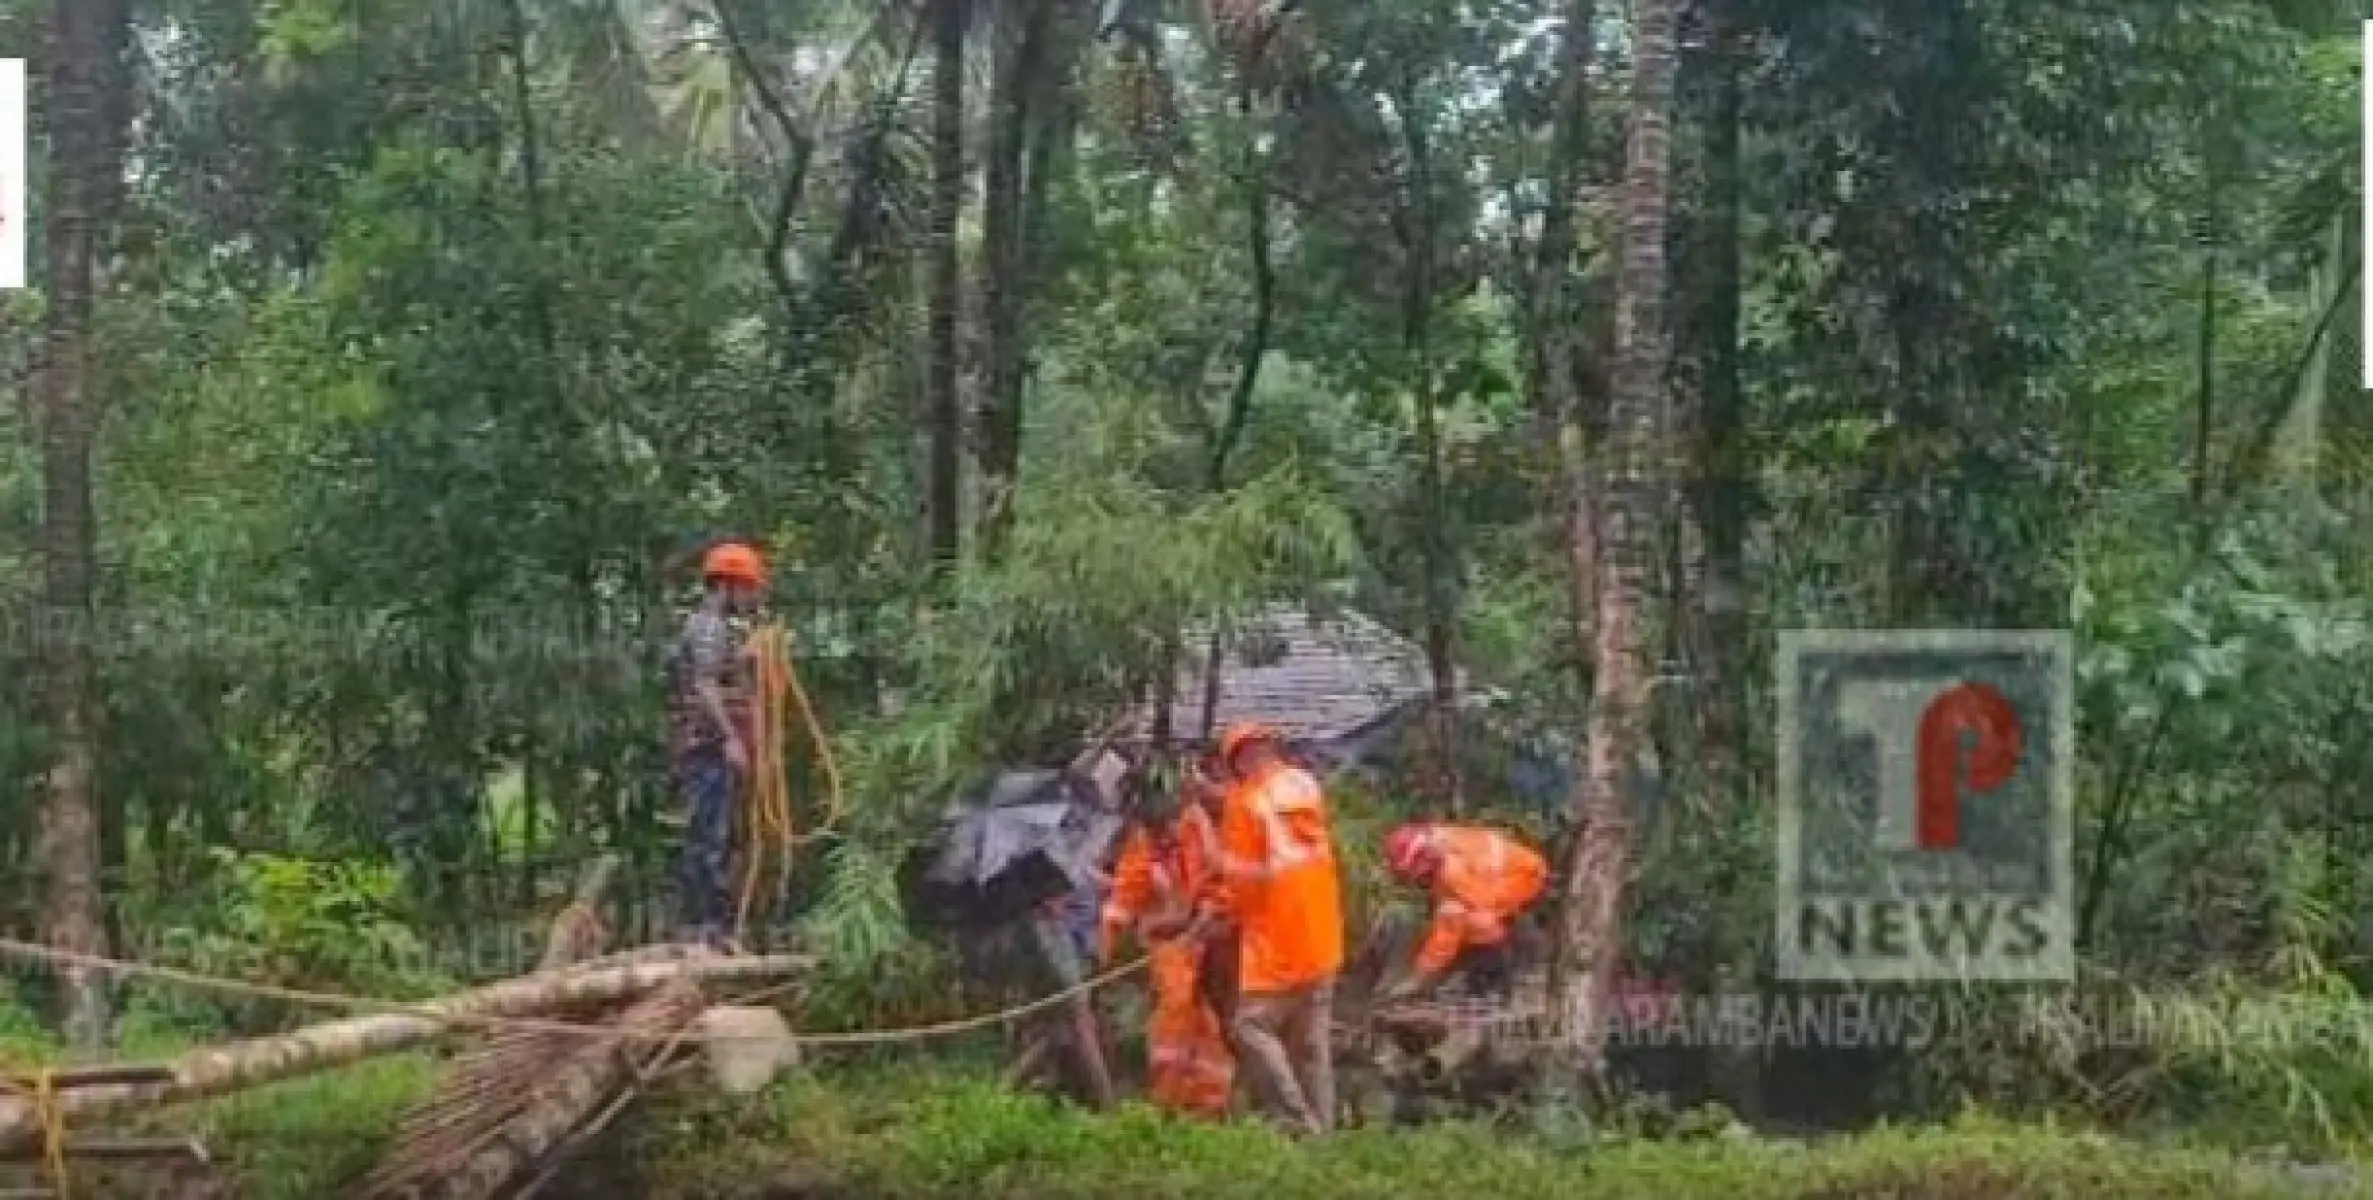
567	1097
218	1070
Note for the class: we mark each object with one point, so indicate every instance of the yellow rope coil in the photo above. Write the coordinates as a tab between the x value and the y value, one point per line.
823	745
767	828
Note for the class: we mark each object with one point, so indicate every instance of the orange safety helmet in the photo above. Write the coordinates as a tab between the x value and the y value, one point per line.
1244	733
735	562
1411	851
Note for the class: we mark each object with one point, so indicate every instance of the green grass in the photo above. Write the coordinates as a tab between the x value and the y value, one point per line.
952	1134
948	1131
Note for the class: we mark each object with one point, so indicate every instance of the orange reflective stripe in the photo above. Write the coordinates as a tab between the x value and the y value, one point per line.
1251	868
1280	882
1293	821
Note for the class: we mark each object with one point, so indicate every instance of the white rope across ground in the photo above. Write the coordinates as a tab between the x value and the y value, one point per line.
55	1100
53	956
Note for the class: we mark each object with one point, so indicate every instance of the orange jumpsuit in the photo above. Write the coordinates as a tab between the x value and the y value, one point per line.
1279	883
1154	887
1487	880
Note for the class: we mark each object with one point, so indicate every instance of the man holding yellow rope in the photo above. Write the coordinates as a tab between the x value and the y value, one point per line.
710	691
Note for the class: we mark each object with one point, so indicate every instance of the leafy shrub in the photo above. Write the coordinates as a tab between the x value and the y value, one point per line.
294	922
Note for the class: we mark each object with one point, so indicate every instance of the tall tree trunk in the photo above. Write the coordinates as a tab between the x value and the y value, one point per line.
1555	352
1630	488
1018	104
1720	495
87	45
1712	616
1229	433
946	413
1416	222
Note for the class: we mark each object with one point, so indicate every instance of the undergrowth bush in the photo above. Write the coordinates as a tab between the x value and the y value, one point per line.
332	924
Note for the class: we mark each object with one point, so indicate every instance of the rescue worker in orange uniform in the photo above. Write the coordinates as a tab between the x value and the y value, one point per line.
1207	789
1483	882
1164	865
1279	887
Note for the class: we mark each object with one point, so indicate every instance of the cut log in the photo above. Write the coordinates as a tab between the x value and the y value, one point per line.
746	1047
218	1070
567	1097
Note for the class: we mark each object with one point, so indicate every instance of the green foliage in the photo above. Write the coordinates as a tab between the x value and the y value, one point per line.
308	1137
427	356
325	925
950	1131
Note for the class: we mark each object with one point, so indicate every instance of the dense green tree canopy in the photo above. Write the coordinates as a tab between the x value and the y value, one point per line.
431	338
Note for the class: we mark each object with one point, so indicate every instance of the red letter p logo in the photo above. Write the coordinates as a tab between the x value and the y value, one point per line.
1969	738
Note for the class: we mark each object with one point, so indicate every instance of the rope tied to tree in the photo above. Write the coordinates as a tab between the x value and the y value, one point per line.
53	1128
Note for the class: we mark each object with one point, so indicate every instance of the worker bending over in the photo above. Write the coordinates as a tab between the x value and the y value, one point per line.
1483	881
710	689
1279	886
1169	856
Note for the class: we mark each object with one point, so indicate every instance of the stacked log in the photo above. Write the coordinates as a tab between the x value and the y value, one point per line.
236	1066
500	1110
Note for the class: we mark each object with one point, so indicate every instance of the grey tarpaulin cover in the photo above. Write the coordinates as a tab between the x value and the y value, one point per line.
1026	837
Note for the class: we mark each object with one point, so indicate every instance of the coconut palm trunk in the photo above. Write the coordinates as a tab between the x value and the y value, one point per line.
85	73
1628	474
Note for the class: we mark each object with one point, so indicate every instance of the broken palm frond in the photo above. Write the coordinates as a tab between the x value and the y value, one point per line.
561	1100
484	1087
217	1070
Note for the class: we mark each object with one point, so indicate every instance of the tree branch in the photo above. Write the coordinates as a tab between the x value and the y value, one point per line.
801	145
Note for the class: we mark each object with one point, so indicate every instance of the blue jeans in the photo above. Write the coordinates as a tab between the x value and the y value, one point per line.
706	786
